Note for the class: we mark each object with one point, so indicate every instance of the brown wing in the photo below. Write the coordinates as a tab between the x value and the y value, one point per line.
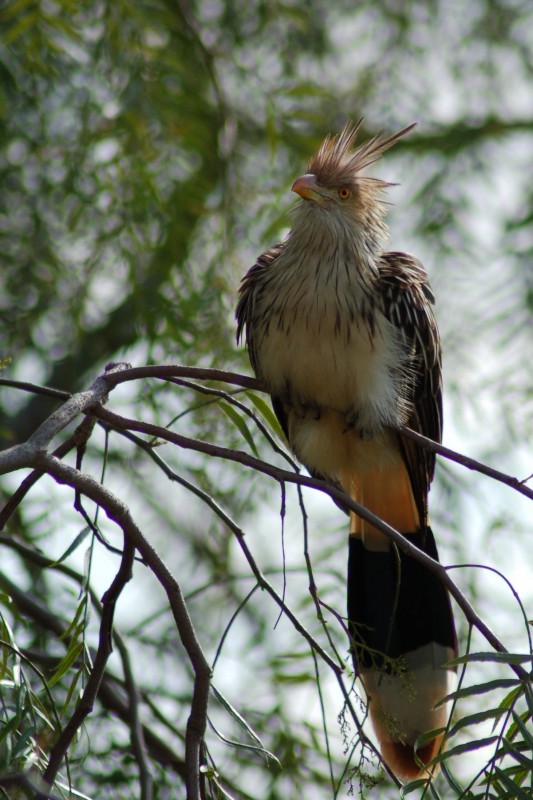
407	302
249	290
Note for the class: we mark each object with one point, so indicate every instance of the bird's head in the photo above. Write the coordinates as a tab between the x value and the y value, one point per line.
334	184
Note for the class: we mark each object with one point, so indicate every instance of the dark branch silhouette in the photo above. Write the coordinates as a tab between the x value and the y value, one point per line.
102	686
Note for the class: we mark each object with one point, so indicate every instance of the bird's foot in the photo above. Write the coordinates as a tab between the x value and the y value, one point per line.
306	410
355	422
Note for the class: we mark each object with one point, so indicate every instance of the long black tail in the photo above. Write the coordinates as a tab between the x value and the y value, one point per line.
402	630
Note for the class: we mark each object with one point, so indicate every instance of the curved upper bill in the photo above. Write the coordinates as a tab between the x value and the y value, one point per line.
306	186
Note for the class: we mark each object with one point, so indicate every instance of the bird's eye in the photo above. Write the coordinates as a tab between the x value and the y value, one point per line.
344	193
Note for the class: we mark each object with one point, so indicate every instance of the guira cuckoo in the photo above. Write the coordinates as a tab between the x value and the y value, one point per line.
342	334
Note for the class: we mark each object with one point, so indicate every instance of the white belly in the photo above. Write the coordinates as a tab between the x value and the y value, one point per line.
345	371
341	388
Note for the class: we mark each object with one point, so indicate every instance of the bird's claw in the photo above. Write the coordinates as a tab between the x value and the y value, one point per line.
353	423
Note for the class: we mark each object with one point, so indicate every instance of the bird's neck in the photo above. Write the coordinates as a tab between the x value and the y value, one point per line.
338	240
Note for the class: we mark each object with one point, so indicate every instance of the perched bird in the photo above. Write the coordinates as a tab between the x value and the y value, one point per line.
342	335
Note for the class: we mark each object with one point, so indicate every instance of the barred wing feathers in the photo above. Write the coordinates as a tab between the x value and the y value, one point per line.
407	302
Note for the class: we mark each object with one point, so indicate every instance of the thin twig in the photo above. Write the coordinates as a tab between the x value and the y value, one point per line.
111	695
105	646
35	388
31	454
24	455
138	743
165	371
118	512
313	589
466	461
229	398
278	474
262	582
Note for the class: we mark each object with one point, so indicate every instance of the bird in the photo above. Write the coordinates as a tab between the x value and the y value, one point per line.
341	333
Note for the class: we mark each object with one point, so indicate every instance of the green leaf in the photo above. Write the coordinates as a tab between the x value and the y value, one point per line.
69	659
72	547
475	719
39	709
468	747
72	688
514	792
478	688
428	736
236	716
23	24
222	792
266	412
15	9
413	786
500	658
24	744
245	746
76	626
526	734
305	89
513	751
71	792
239	423
511	697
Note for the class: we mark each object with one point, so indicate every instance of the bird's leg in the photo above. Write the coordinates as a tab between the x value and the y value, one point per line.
315	412
355	421
305	410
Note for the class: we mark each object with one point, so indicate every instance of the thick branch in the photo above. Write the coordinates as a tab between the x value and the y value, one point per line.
22	455
121	373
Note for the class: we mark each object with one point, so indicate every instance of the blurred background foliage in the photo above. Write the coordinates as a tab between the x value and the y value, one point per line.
146	155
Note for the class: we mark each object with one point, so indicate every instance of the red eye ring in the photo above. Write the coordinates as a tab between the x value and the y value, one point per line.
344	193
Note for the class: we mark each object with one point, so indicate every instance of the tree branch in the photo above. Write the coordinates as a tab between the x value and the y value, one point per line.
262	582
80	436
280	475
117	373
138	739
105	646
24	455
111	694
32	454
465	461
119	513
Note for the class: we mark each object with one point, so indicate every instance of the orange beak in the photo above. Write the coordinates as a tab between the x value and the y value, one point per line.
306	187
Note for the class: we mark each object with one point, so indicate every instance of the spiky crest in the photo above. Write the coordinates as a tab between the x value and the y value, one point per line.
336	163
